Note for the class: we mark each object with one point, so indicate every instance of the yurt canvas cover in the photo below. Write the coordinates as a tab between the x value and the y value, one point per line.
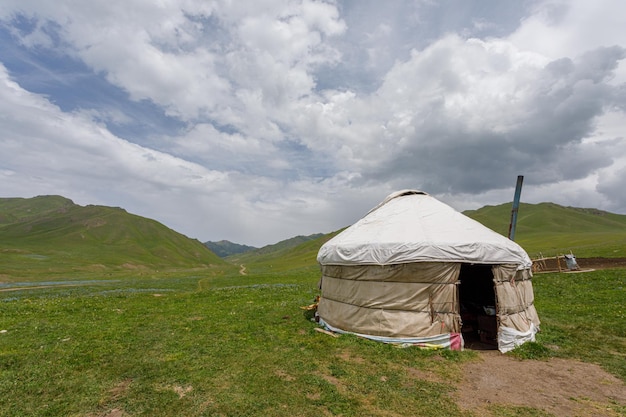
413	266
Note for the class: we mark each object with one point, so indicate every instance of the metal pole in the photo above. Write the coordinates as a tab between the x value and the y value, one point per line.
518	193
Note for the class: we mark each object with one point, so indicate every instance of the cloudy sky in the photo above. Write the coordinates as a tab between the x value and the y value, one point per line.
259	120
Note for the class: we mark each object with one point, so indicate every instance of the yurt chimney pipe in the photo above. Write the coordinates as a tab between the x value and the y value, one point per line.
518	193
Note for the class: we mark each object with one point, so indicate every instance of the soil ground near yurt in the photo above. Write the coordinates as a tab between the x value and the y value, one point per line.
550	265
559	387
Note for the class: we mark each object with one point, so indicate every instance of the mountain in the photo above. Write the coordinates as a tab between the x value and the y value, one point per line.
287	244
51	233
225	248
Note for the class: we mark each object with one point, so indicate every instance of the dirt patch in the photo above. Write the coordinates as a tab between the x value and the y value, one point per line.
182	391
34	287
557	386
92	223
116	412
550	265
284	376
601	263
120	390
426	375
348	357
178	389
116	393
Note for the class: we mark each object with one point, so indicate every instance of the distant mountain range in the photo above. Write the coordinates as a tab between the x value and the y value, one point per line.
545	228
225	248
52	235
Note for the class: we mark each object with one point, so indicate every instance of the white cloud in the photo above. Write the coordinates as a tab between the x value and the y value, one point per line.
560	28
298	117
164	54
70	150
467	115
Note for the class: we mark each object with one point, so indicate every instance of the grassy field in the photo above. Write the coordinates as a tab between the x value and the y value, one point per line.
234	345
105	314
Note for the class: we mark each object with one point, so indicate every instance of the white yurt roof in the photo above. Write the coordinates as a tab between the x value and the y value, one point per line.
412	226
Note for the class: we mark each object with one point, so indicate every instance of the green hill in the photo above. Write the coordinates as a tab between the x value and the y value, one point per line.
294	253
285	245
52	234
552	229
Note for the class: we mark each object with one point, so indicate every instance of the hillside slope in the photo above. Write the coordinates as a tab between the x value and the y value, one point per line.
552	229
294	253
53	233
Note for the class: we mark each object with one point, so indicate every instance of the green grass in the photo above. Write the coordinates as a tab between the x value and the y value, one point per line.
234	345
532	350
584	316
183	347
179	334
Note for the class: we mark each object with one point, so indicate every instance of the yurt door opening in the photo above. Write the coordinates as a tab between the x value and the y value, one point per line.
477	301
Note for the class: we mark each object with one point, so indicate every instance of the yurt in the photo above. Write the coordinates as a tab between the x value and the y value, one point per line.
415	271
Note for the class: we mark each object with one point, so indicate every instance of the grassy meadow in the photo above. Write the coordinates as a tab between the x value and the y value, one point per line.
239	345
105	314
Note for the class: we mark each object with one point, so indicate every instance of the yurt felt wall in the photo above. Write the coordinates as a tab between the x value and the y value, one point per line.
400	300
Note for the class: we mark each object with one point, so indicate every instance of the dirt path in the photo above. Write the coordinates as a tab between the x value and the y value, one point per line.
587	264
35	287
242	269
560	387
